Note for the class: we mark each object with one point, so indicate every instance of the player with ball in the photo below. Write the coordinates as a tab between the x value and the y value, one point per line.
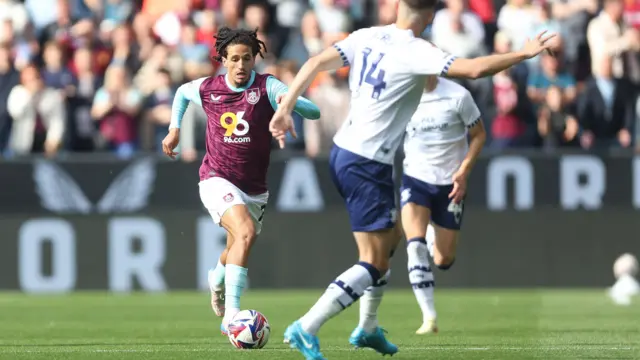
233	175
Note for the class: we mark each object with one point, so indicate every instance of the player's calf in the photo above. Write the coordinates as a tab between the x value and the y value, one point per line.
239	224
445	245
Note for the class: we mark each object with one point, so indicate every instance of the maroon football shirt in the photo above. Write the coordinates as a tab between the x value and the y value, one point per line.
238	136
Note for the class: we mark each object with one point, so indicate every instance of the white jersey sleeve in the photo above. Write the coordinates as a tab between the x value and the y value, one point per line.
348	47
468	110
427	59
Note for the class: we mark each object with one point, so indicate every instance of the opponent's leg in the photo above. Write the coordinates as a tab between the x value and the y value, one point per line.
345	290
370	301
415	219
239	224
216	280
368	333
367	187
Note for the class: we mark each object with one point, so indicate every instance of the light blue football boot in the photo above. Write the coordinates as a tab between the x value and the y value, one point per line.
306	343
376	340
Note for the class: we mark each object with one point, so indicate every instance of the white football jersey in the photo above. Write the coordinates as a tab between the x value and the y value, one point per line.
436	141
386	79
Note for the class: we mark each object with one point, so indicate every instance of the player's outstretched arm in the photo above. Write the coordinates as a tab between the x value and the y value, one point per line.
189	92
329	59
282	122
492	64
276	90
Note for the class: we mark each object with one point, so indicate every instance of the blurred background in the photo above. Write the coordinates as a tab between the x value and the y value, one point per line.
87	200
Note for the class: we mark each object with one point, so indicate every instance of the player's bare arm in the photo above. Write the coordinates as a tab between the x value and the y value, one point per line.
492	64
282	122
477	139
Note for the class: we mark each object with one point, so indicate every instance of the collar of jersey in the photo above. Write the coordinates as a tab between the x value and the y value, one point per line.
243	88
403	31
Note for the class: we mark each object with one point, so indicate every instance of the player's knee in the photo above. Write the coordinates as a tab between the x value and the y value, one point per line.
445	262
245	237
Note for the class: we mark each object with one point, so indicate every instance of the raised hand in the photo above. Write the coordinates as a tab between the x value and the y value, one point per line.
538	44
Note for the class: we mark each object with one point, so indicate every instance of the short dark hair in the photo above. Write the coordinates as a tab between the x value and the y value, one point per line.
227	36
421	4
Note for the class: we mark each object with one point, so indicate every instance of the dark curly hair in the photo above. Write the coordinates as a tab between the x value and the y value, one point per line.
227	36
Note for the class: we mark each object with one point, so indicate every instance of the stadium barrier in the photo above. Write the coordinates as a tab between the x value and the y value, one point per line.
546	220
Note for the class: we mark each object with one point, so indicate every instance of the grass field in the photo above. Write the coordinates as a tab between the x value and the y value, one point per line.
474	325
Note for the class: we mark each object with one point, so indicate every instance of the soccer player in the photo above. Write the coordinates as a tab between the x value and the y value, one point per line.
233	174
437	163
387	76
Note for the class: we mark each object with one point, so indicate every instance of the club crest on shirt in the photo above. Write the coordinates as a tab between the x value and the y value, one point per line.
228	197
252	96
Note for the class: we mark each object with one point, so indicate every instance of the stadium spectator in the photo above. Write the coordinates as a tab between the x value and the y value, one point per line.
333	15
544	22
158	107
458	30
333	97
606	109
86	82
9	78
609	36
231	11
486	11
16	15
125	51
159	58
115	12
195	55
311	34
552	73
574	16
115	107
54	73
555	125
508	127
207	28
38	114
517	19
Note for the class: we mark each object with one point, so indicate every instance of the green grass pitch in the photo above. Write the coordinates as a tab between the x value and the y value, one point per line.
474	324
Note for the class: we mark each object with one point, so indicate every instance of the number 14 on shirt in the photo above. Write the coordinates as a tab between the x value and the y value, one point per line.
378	81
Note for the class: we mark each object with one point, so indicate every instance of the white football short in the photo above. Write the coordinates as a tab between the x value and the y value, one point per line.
218	195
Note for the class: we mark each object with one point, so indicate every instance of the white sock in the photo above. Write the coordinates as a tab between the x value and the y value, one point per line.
216	277
235	283
344	291
369	303
421	277
431	239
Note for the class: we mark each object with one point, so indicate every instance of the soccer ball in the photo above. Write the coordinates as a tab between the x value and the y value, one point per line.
249	329
626	264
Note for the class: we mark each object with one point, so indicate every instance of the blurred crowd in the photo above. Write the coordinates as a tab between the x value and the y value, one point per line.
100	75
